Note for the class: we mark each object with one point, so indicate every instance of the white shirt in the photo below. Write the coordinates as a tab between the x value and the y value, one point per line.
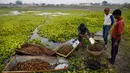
107	19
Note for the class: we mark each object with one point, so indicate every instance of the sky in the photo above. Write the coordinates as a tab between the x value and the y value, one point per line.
65	1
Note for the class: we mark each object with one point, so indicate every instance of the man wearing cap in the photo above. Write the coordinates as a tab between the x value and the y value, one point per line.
108	22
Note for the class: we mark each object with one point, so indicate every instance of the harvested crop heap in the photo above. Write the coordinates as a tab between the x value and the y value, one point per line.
65	49
33	50
96	47
31	65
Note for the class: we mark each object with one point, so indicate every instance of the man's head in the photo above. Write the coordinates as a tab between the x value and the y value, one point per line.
117	13
106	11
82	26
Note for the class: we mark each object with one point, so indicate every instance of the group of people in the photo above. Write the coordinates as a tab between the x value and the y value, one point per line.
116	35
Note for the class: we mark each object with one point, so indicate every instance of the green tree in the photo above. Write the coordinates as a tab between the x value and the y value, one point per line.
18	2
104	2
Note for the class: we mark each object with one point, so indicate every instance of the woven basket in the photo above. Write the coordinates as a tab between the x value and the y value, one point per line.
95	53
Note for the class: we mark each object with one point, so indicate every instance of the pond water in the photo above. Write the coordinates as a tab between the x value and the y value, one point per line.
46	41
54	14
15	12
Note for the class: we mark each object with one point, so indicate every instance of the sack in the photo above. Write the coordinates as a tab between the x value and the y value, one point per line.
93	64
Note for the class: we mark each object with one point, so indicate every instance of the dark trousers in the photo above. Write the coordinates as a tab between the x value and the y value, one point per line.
106	29
114	50
80	38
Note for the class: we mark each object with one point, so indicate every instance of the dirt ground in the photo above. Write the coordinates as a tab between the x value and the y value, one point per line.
123	58
122	64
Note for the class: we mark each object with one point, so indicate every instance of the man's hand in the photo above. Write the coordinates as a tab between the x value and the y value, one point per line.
115	43
85	35
81	35
118	35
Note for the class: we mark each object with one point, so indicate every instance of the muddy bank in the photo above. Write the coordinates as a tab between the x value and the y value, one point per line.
123	57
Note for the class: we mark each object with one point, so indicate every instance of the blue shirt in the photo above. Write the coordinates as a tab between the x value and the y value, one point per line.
112	19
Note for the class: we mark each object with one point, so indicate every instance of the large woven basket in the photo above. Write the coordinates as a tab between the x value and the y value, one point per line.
95	53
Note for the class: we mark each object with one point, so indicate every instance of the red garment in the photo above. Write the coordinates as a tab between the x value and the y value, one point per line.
118	29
